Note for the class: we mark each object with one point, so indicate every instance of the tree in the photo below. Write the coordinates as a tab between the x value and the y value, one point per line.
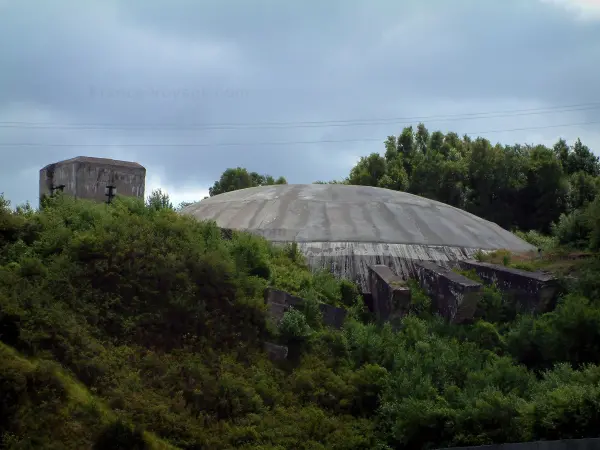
436	141
583	188
159	200
396	177
581	159
391	148
184	204
546	192
332	182
237	178
422	138
368	171
561	150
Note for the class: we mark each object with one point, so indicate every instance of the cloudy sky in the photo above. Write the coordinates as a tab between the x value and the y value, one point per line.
189	88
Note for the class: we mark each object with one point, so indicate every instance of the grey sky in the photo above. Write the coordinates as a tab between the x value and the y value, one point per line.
194	62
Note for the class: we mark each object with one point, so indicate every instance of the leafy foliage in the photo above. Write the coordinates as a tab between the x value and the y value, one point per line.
239	178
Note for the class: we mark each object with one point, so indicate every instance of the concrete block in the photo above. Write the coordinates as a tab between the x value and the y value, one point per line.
275	352
278	302
391	297
534	291
453	296
332	316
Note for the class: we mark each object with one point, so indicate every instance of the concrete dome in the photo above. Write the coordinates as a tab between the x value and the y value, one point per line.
348	227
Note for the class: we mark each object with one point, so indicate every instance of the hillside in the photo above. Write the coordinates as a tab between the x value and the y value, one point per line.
130	326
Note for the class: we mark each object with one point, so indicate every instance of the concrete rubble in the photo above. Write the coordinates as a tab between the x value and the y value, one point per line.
278	302
391	296
454	296
275	352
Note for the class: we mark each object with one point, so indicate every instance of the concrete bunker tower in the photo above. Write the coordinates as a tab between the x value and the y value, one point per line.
93	178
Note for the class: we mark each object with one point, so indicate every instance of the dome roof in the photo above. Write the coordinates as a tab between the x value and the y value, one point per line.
328	213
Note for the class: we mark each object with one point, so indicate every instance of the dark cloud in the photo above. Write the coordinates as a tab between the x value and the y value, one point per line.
191	62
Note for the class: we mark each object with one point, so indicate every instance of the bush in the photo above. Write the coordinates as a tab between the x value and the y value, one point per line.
572	229
349	293
538	239
294	326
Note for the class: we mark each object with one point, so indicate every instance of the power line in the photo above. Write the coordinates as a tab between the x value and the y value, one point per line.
234	144
310	124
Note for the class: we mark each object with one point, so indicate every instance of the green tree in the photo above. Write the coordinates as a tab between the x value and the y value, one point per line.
237	178
561	150
395	177
583	188
159	200
368	171
581	159
185	204
546	192
422	138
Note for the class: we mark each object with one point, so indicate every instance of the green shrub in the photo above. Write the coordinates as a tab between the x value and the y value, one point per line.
294	326
349	293
538	239
572	229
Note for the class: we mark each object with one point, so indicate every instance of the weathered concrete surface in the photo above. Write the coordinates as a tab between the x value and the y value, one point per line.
391	297
87	177
278	302
454	296
341	213
567	444
346	229
351	260
534	291
275	352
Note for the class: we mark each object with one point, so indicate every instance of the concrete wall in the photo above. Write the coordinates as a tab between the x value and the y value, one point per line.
275	352
351	260
56	175
85	177
454	296
567	444
278	302
91	180
533	291
391	297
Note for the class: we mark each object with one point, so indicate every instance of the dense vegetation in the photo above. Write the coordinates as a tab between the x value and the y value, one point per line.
130	326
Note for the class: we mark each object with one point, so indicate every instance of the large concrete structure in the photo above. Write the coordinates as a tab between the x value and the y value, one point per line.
91	178
348	228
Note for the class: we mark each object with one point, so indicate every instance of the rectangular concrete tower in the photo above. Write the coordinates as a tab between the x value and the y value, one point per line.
91	178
